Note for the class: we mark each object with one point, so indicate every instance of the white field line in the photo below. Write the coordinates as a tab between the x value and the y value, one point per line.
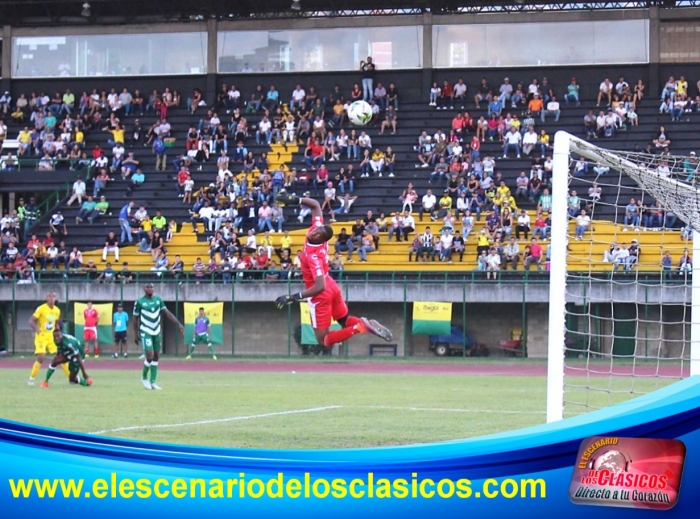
218	420
444	409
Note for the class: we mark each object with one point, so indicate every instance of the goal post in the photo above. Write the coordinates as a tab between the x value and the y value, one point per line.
674	194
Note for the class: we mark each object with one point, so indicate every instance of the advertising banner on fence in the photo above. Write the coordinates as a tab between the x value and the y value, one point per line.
104	324
213	317
431	318
307	331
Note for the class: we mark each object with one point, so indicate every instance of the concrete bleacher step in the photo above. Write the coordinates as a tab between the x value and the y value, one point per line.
584	255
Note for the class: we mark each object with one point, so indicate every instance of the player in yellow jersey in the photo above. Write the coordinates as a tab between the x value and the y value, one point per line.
44	321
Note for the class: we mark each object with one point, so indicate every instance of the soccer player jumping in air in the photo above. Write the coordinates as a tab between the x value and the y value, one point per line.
147	312
70	353
324	296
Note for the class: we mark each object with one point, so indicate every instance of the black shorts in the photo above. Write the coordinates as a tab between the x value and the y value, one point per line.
119	337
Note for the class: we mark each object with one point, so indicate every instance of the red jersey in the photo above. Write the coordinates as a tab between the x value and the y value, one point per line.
90	316
314	258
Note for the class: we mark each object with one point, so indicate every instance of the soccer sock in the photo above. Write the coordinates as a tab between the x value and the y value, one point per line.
351	320
341	335
82	381
97	349
146	365
65	369
154	371
50	372
35	370
211	349
191	350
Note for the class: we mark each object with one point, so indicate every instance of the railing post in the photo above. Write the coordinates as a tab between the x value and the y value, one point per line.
523	325
405	316
233	315
289	320
464	320
346	345
14	313
646	321
177	316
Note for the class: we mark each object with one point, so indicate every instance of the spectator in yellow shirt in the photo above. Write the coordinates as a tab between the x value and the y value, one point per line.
25	141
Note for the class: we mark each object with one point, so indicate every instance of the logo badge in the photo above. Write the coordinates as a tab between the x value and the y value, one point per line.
628	472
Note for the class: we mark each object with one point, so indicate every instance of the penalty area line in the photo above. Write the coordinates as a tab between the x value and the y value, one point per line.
217	420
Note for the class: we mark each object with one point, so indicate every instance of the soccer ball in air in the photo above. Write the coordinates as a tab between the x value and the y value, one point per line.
360	113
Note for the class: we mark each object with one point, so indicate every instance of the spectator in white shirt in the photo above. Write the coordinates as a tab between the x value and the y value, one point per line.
298	97
605	91
428	204
493	264
523	225
621	257
505	92
529	141
601	169
234	99
459	92
521	184
264	127
583	222
621	86
79	189
595	192
512	142
551	108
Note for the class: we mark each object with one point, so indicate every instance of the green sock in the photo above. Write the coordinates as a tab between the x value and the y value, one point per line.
146	365
211	350
191	350
154	371
82	381
49	372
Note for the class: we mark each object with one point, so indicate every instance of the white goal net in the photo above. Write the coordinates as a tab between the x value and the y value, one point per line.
624	304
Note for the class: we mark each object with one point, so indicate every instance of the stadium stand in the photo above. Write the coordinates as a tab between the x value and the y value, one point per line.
381	194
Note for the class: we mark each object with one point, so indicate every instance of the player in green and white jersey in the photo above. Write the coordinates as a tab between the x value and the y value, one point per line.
147	313
68	350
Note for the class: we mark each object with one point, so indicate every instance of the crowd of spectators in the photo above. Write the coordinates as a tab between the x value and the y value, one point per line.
232	202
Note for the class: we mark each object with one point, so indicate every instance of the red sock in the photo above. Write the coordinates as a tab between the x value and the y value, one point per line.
97	350
343	334
351	321
339	336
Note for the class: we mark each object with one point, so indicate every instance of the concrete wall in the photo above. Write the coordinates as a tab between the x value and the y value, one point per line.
253	326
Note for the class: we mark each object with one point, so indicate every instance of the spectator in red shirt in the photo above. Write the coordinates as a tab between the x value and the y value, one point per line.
321	178
48	240
535	256
445	97
182	177
314	154
458	123
32	244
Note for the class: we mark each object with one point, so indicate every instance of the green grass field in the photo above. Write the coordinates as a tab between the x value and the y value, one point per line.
283	410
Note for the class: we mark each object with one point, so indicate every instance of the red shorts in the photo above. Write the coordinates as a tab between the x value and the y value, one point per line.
89	334
329	305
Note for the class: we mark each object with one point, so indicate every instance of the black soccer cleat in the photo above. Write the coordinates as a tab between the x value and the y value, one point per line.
375	328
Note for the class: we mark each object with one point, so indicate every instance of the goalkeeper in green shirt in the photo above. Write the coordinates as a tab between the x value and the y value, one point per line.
69	350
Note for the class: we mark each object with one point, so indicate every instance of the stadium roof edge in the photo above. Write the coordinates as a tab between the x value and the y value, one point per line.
22	13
